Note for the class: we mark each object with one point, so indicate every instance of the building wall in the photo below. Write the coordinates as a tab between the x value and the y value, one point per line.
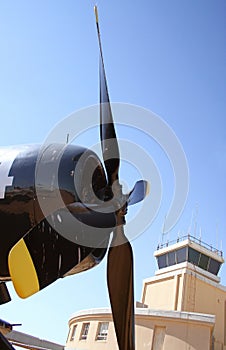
162	334
186	289
156	296
154	331
91	342
185	337
206	296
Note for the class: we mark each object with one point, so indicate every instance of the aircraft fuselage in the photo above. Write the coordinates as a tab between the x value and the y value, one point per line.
36	185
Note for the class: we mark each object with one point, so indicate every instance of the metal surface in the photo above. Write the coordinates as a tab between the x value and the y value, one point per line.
32	343
53	255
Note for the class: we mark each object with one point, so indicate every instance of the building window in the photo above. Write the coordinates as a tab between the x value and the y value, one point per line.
193	256
214	266
162	261
85	330
72	337
102	331
204	261
181	255
171	258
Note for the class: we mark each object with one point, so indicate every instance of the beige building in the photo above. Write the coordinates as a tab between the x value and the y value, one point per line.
183	307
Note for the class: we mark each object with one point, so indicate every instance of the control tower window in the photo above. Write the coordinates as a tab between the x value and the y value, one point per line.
190	255
162	261
171	258
214	266
181	255
204	261
193	256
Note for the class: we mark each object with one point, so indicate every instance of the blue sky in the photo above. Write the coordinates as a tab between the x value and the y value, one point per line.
166	56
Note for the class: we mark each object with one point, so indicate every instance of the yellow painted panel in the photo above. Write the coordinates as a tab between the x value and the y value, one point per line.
22	270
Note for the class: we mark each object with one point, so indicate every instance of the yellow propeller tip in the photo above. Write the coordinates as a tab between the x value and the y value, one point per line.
96	13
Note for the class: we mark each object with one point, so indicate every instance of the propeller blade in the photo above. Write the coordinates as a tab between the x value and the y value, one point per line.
4	293
120	287
94	215
108	137
139	192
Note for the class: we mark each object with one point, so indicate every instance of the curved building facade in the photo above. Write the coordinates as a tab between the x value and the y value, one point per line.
182	307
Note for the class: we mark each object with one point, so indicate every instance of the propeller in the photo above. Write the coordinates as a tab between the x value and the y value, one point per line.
120	254
43	255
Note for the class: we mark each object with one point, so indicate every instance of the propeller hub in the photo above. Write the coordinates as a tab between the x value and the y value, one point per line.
120	201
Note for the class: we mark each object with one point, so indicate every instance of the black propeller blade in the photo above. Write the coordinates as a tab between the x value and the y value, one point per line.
108	138
120	255
120	287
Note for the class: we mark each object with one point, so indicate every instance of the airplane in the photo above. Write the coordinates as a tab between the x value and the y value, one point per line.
36	251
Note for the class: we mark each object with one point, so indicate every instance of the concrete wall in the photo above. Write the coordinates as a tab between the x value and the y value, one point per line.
186	289
154	331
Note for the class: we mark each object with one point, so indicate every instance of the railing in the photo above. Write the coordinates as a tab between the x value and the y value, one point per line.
192	239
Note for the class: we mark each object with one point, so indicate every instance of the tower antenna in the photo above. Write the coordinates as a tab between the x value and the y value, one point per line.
164	234
191	223
195	219
217	236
